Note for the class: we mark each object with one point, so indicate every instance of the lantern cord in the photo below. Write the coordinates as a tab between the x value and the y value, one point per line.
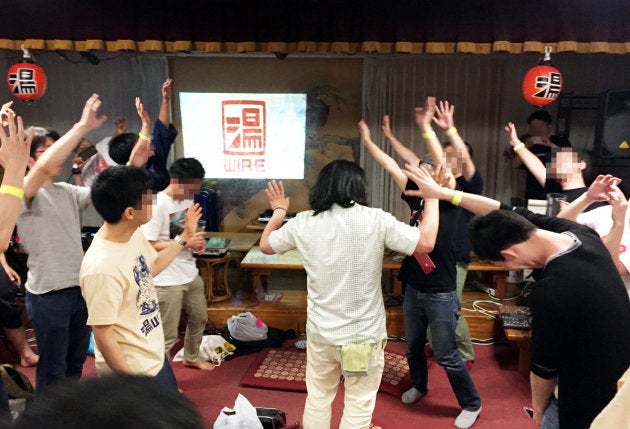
548	50
26	54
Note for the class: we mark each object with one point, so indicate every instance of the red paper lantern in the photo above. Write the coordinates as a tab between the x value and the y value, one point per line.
542	84
27	81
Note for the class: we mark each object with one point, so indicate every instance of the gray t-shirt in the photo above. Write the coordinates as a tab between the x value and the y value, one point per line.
50	230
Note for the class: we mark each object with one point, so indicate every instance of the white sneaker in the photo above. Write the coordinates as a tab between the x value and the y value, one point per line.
467	418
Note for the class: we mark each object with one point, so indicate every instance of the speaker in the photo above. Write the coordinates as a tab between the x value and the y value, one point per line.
612	131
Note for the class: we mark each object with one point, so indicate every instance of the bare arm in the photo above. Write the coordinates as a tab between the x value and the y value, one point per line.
408	156
171	249
11	273
110	348
445	121
143	149
14	152
280	204
477	204
383	159
542	389
165	108
59	152
531	161
600	190
424	119
612	241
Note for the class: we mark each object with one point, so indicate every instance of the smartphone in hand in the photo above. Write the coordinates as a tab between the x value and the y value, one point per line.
529	412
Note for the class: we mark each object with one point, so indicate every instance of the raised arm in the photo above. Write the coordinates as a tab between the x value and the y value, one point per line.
424	120
531	161
14	152
143	148
51	159
600	190
612	240
445	121
279	204
408	156
165	108
477	204
383	159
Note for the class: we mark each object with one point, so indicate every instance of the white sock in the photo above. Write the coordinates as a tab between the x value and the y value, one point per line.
412	395
467	418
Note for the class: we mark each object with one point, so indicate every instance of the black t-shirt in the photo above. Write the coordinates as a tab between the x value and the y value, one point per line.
443	278
580	323
533	190
462	244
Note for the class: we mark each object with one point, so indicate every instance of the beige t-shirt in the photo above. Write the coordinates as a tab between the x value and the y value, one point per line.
119	291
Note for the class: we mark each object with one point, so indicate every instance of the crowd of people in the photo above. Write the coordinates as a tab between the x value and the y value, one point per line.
129	288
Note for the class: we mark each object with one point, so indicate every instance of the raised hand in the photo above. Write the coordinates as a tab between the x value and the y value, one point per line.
275	195
167	89
444	117
424	115
364	130
387	131
121	125
602	187
15	146
427	187
90	118
144	115
510	130
5	112
193	214
619	204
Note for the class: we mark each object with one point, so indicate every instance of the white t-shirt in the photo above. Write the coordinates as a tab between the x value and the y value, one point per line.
342	252
118	290
600	219
166	222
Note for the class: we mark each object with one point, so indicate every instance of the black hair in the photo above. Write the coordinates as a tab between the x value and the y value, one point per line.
111	401
187	168
339	182
120	147
541	115
39	138
497	230
469	147
117	188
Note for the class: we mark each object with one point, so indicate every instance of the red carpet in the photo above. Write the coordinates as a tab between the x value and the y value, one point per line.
284	369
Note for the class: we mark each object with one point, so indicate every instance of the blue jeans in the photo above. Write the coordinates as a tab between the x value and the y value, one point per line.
59	319
551	419
166	377
440	311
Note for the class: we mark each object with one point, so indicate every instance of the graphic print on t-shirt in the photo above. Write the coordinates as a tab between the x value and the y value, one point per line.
146	298
176	223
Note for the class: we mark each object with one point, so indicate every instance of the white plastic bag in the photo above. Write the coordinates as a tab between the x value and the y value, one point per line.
243	416
247	327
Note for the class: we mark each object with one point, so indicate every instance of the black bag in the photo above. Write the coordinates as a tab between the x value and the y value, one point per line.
16	384
271	418
275	337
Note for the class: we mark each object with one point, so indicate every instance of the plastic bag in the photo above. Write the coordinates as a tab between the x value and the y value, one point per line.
213	348
242	416
247	327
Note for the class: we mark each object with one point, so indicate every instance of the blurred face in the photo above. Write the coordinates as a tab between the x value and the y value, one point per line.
539	128
43	148
143	213
453	160
565	164
186	188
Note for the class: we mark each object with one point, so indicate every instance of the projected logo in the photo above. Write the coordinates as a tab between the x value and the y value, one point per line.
244	130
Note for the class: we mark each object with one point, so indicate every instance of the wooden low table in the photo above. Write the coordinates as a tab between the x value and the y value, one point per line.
214	269
522	339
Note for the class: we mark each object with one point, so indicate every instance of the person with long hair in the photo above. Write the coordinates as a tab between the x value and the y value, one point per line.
342	242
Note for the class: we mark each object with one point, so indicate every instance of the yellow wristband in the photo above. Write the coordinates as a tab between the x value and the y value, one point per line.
518	146
457	198
451	131
128	163
12	190
428	134
143	137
